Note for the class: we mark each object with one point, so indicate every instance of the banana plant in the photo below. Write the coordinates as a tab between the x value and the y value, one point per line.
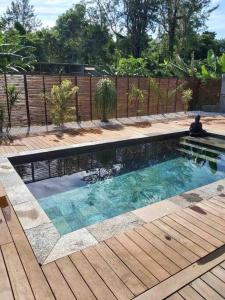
15	59
213	66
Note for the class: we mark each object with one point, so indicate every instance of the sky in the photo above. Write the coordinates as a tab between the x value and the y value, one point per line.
48	10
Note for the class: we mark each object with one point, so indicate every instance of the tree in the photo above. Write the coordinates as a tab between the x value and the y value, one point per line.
130	21
181	19
21	12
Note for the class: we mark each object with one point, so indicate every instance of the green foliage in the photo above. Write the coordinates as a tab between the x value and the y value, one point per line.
15	58
59	100
132	67
136	96
13	96
186	98
20	13
181	69
213	66
105	98
165	97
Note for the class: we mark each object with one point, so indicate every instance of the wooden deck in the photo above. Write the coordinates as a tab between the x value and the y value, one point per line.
179	256
84	135
184	251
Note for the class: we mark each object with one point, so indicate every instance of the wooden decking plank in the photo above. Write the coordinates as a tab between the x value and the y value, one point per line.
175	296
189	293
57	282
184	277
204	290
214	282
5	236
18	279
131	281
207	228
160	258
180	238
211	214
5	288
166	250
116	285
74	279
34	273
171	242
132	263
205	219
189	234
218	202
215	207
219	272
211	239
91	277
149	263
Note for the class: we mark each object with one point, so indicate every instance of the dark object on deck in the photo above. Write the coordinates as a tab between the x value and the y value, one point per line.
196	128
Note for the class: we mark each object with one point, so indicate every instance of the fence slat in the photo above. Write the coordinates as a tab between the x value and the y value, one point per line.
27	100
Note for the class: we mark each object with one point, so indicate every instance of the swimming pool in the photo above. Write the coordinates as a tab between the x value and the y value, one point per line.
89	187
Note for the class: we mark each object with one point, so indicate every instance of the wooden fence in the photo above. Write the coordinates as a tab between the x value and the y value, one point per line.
31	110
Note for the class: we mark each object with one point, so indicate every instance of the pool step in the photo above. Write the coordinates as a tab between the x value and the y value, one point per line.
201	156
209	141
202	148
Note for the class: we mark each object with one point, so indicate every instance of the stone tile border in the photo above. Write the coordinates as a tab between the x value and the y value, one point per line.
44	238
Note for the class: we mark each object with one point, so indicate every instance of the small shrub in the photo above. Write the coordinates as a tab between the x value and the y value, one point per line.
105	98
59	102
186	98
13	97
136	96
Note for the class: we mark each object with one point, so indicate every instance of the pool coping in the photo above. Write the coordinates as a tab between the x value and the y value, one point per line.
46	242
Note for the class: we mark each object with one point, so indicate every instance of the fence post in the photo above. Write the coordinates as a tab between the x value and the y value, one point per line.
26	100
137	113
175	102
167	93
90	86
158	98
45	104
7	100
128	87
116	97
76	101
148	103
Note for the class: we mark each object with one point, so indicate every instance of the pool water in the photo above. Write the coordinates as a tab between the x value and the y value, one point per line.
91	187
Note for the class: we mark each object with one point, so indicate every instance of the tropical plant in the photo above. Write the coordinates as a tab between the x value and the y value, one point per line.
59	100
13	96
181	69
14	58
213	66
136	96
186	98
165	96
105	98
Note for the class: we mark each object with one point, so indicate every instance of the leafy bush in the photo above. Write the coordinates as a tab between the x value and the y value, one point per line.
105	98
13	95
136	96
186	98
59	102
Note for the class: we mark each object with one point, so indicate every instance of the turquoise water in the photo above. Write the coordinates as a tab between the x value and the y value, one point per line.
110	182
96	202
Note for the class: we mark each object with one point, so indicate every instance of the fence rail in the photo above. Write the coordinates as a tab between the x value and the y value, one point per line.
32	110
